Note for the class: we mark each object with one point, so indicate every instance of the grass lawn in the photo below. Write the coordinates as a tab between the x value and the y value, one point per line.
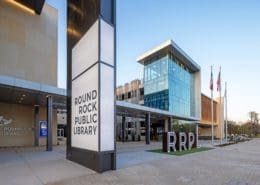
183	152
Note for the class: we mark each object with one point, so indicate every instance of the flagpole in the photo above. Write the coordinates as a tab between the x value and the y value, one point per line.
212	125
221	125
226	127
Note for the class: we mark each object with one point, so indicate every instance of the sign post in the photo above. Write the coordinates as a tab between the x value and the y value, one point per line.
92	85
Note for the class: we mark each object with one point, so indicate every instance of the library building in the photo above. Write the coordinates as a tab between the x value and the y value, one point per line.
92	114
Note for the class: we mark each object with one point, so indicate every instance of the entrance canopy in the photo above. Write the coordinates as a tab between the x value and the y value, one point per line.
139	111
18	91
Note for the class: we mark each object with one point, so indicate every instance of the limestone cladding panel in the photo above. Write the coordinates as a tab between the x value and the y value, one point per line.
197	94
20	132
220	118
22	118
28	44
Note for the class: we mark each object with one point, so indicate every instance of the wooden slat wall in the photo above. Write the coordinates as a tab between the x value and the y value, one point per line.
206	109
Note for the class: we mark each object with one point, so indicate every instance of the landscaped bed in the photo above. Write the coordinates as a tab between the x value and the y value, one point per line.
183	152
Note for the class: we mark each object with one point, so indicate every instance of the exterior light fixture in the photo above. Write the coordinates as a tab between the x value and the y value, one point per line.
76	9
73	32
21	6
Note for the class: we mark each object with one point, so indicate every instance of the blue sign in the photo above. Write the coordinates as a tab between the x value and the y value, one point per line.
43	128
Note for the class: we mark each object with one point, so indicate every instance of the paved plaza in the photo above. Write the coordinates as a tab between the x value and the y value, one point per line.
237	164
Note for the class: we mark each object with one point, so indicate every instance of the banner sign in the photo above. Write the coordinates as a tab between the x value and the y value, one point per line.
43	128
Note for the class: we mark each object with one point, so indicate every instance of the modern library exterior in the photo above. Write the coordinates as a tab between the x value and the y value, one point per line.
30	97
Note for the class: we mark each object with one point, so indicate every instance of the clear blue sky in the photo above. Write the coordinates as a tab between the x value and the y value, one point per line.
222	33
60	5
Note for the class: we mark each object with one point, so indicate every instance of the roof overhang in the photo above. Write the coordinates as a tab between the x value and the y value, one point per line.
170	46
206	125
139	111
24	92
35	5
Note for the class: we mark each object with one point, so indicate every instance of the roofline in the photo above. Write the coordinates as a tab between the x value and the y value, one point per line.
153	50
169	43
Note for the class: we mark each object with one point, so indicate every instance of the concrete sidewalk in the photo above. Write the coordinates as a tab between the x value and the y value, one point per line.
133	153
231	165
22	166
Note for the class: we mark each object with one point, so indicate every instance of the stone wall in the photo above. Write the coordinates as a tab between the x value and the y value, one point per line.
20	130
28	43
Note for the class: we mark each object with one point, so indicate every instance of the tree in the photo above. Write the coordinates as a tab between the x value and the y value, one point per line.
253	122
182	127
233	128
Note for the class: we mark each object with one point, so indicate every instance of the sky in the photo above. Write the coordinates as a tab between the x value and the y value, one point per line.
222	33
60	5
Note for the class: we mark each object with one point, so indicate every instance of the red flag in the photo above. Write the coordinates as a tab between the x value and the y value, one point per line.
211	80
219	80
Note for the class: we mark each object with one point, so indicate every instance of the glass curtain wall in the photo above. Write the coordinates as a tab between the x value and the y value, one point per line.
156	84
169	85
181	88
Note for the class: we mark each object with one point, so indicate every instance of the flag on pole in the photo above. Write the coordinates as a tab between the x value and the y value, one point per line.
212	114
226	125
211	80
225	93
219	80
219	89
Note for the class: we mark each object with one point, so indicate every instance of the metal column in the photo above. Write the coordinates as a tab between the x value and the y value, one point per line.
147	128
169	124
197	135
36	125
166	126
123	128
49	123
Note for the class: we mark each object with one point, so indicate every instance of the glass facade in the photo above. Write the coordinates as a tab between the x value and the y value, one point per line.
159	100
156	76
156	91
169	85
